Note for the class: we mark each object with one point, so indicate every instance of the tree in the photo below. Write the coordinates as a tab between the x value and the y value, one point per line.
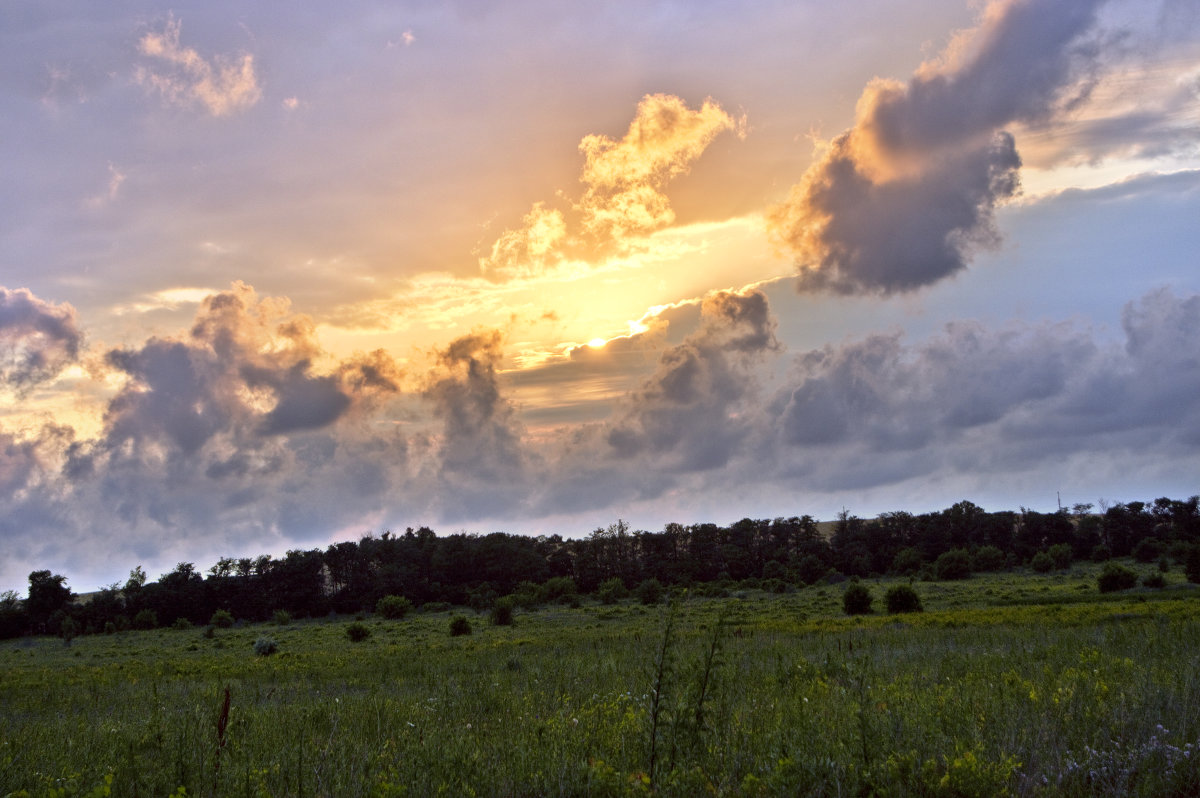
48	593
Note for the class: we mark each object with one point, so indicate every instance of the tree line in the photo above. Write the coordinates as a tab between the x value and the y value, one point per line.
475	570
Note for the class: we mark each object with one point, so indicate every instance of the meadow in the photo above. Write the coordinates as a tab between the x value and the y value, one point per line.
1015	683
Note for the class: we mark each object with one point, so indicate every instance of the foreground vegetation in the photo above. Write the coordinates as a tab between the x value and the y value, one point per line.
1018	683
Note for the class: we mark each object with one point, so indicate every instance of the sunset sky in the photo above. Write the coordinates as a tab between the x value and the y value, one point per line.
273	276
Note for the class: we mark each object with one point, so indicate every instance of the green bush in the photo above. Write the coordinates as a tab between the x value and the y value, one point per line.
907	562
145	619
1148	550
222	619
558	588
502	611
357	632
436	606
265	646
393	607
902	598
1062	554
1154	580
1116	577
281	617
1042	562
650	591
611	590
459	626
1191	565
953	564
181	623
1101	553
988	558
857	599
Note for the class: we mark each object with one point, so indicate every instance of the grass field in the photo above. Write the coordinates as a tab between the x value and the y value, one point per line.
1006	684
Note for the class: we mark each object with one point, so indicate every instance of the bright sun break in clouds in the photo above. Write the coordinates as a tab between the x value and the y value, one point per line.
275	280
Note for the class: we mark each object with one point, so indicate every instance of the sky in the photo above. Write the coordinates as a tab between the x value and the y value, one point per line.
273	277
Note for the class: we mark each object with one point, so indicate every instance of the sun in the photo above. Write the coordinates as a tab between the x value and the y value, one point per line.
597	343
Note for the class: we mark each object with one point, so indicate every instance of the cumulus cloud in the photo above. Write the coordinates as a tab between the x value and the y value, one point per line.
38	339
246	370
183	77
625	178
625	182
988	401
480	458
902	199
686	412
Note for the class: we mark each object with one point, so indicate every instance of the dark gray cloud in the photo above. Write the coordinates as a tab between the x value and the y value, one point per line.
902	199
990	401
481	465
697	386
37	339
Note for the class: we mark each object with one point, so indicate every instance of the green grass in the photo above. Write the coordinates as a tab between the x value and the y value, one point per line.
1007	683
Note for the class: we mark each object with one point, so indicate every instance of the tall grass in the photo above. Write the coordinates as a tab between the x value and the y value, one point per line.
783	695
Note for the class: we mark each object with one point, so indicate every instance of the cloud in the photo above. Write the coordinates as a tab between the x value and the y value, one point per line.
184	78
625	180
686	412
531	248
37	339
903	198
479	457
246	370
991	401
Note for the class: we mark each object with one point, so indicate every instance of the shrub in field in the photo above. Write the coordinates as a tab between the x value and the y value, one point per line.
181	624
146	619
1191	565
774	569
987	558
282	617
953	564
68	629
527	595
857	599
1062	555
357	632
811	569
459	626
1115	577
1101	553
393	607
907	562
1155	580
612	590
650	591
265	646
1148	550
558	588
110	628
902	598
502	612
222	619
1042	562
